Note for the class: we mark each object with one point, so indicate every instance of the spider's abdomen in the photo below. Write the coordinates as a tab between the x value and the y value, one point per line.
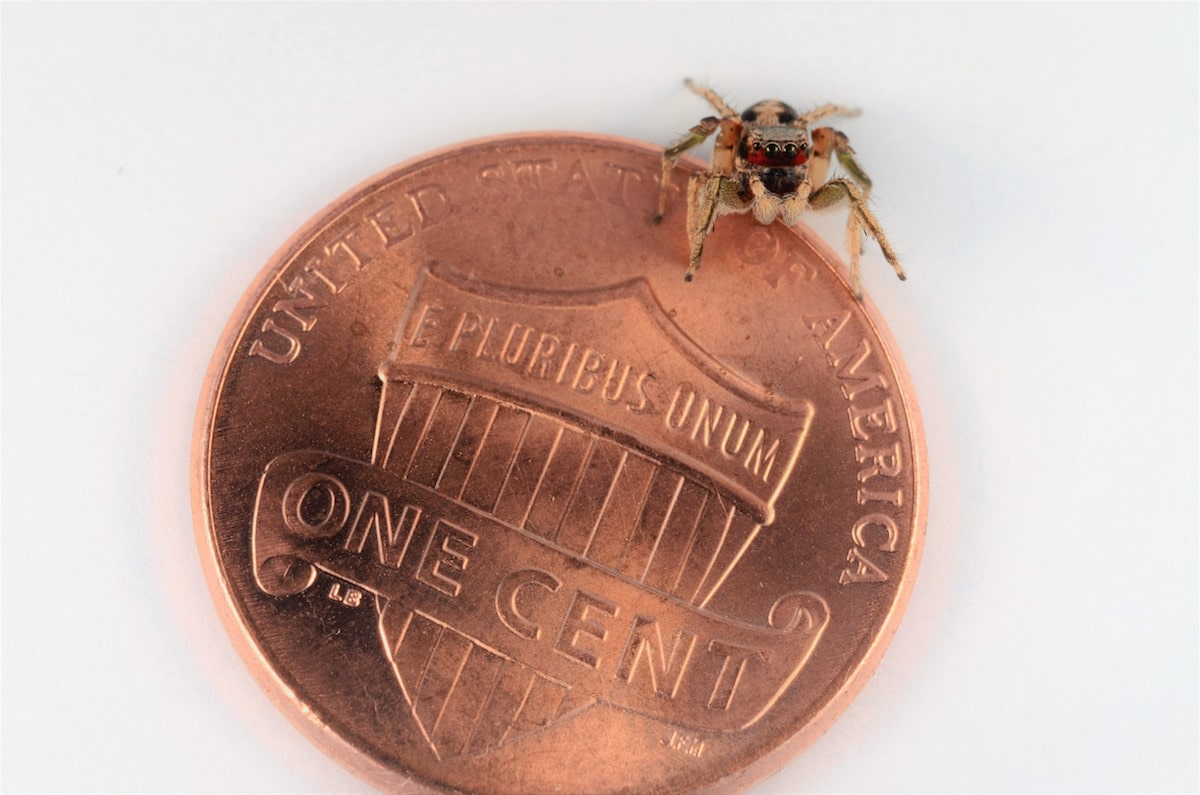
770	112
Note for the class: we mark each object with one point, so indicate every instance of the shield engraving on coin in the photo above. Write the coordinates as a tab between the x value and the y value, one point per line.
494	502
517	464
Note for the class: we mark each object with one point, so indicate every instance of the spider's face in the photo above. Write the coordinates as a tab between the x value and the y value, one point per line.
774	146
773	137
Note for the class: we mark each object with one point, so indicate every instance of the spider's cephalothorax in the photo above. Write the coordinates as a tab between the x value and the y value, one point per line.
766	162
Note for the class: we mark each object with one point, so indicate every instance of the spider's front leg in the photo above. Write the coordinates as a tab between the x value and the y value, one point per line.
827	142
672	153
861	219
709	197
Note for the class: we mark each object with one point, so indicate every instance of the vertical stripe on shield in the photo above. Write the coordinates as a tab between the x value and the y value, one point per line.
494	458
586	494
475	425
582	492
528	470
468	699
593	492
440	434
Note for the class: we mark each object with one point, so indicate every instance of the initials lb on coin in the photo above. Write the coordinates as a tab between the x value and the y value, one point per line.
492	501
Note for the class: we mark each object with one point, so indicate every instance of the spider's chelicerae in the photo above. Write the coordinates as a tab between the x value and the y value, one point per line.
766	161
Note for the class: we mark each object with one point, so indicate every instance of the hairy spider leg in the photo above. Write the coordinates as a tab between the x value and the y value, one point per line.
846	158
861	220
709	196
695	136
713	98
825	111
827	142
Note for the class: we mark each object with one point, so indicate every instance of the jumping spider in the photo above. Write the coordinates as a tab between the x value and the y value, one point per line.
764	162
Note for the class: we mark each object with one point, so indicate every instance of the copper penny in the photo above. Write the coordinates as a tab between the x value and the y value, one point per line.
491	500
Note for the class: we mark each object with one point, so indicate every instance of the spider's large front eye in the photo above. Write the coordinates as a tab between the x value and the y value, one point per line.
772	150
790	150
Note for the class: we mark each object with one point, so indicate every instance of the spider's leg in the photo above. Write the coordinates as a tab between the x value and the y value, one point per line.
709	196
672	153
855	171
826	142
861	219
713	99
854	238
825	111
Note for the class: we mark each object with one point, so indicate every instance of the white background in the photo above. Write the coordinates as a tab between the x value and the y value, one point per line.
1035	164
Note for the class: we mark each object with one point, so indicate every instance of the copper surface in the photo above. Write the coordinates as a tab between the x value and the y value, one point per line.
491	500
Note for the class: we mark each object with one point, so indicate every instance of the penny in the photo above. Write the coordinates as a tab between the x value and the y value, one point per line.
491	500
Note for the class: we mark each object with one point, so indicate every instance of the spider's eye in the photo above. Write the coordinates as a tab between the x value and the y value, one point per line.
772	149
790	150
757	145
